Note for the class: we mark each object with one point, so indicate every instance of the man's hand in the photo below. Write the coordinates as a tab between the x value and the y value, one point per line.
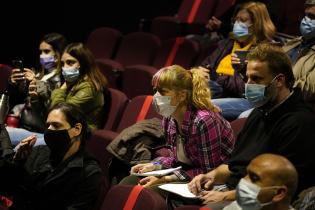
200	182
212	196
24	148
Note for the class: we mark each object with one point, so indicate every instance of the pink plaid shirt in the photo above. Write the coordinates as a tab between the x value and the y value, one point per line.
209	141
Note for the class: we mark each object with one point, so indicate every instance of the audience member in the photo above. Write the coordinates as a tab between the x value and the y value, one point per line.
282	123
270	183
48	76
61	175
199	138
302	54
252	25
84	87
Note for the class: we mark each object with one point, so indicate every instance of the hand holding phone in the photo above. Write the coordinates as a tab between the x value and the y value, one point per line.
241	54
18	64
17	74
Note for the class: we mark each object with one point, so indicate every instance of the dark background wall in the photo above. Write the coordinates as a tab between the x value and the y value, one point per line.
22	24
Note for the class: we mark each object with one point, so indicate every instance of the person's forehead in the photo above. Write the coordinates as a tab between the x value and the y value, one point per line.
264	168
67	56
56	115
243	14
45	45
258	67
310	9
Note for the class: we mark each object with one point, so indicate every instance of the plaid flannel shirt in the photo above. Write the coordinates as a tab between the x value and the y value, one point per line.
209	141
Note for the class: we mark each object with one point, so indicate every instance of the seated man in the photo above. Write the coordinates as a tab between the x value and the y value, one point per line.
270	183
281	123
302	54
61	175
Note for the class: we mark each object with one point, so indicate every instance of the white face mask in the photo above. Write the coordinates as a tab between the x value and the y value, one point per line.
163	105
246	195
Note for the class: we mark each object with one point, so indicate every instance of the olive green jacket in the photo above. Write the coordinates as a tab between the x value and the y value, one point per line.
84	96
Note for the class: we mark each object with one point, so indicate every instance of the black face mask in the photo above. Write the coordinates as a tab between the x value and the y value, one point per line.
59	142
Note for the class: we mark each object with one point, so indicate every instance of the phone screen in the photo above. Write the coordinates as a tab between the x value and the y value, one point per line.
18	64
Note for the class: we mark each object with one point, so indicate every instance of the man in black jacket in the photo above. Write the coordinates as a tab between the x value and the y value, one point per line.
281	123
61	175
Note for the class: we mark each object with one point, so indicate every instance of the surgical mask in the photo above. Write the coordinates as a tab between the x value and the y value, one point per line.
257	94
240	30
246	196
47	61
59	142
163	105
307	28
70	74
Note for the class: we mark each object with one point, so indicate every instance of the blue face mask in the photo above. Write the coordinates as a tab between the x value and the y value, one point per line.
47	61
240	30
257	94
307	28
70	74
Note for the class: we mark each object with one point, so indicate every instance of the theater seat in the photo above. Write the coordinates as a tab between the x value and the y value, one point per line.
192	207
103	42
190	19
5	72
127	197
135	48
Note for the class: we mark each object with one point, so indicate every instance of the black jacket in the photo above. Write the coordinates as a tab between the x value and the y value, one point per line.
36	184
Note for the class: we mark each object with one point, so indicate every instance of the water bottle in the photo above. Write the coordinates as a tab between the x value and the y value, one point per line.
4	106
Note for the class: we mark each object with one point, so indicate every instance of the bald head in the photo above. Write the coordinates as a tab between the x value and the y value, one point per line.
278	169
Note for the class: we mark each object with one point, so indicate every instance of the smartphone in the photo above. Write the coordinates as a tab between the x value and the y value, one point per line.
18	64
241	54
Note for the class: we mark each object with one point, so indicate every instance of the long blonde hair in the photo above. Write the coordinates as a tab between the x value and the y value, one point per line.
264	28
177	78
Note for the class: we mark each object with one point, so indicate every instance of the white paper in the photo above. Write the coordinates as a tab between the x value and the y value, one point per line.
179	189
158	172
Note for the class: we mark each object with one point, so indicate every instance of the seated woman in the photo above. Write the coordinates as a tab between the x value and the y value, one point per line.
84	84
252	25
48	76
84	87
199	138
30	90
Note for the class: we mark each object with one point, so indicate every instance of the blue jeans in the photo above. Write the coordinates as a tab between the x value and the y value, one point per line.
216	89
18	134
232	107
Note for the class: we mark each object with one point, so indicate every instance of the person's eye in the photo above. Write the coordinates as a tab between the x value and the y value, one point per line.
311	16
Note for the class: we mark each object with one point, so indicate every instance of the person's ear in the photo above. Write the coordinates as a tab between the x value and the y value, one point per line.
280	194
280	80
77	128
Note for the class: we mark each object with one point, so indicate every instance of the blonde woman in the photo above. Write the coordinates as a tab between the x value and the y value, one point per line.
251	25
198	137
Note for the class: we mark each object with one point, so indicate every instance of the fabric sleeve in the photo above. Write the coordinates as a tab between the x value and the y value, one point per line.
212	148
81	97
